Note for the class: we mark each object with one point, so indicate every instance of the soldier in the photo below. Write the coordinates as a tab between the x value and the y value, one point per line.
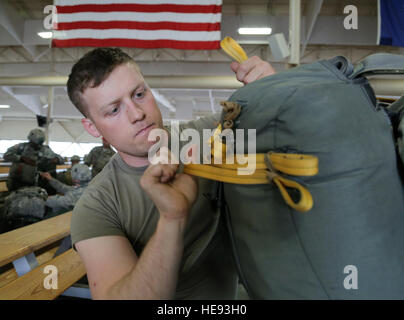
26	157
66	176
47	163
99	157
81	176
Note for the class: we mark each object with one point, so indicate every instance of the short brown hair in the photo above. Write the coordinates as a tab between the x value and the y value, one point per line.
91	70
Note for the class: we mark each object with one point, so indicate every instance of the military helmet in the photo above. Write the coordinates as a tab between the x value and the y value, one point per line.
36	136
75	159
81	172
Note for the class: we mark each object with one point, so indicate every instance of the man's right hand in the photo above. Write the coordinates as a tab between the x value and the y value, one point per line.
28	161
46	175
173	193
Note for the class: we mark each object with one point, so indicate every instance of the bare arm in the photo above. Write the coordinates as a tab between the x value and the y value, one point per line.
113	268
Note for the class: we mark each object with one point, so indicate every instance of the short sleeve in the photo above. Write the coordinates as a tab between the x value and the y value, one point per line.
95	215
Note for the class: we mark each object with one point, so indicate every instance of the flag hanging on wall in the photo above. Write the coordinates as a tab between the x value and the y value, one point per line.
391	23
175	24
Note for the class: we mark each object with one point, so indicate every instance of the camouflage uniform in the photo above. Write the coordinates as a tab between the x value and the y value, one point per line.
26	174
81	175
98	158
23	207
66	176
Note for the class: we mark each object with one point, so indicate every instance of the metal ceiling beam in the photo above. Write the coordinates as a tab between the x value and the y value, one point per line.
33	103
381	86
14	25
294	31
181	82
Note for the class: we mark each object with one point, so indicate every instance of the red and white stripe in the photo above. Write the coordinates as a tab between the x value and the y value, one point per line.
176	24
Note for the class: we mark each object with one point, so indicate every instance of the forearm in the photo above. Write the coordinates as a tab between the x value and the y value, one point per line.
59	186
156	272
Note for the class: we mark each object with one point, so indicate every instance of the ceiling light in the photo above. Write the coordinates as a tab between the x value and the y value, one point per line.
45	35
256	31
4	106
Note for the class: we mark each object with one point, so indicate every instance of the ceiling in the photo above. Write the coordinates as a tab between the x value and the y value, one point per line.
24	54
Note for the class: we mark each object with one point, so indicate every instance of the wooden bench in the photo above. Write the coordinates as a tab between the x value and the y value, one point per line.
27	251
3	186
5	167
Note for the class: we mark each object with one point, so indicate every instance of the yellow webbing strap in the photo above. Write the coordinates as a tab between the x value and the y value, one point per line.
292	164
267	169
233	49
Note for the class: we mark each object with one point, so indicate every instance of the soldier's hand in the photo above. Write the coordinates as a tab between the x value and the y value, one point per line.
251	69
46	175
28	161
173	193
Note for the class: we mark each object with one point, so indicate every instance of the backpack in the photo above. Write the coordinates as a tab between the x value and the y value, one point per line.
349	244
27	202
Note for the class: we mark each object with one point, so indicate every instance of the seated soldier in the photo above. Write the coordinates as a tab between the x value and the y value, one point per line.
81	176
66	176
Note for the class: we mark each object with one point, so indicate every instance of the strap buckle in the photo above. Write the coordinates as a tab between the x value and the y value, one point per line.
272	172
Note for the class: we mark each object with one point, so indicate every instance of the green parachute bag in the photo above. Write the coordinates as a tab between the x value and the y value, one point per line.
350	245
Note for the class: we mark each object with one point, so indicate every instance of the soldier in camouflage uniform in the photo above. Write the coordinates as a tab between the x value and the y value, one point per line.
99	157
27	158
81	176
66	176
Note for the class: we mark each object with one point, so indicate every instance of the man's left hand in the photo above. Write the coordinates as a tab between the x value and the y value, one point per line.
251	69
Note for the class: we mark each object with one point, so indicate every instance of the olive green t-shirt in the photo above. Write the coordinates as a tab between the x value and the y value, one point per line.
115	204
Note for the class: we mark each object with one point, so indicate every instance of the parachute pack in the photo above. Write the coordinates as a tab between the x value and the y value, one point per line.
325	217
26	202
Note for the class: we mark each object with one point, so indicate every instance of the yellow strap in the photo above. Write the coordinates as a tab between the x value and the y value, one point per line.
306	200
289	163
225	175
233	49
294	164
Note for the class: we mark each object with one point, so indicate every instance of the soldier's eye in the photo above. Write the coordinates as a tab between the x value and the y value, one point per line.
114	110
140	94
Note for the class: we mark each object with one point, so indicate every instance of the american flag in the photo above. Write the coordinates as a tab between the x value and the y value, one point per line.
391	23
176	24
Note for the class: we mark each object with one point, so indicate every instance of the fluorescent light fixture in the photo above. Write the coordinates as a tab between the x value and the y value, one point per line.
45	34
4	106
255	31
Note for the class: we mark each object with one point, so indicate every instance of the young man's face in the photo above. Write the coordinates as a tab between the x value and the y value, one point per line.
123	110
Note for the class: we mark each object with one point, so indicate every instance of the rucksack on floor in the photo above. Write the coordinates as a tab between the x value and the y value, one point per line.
350	243
26	202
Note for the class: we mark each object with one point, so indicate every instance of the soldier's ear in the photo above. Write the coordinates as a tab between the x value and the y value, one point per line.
90	127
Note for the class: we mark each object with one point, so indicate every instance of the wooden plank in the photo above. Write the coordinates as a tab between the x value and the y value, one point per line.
4	169
19	242
43	255
3	186
31	285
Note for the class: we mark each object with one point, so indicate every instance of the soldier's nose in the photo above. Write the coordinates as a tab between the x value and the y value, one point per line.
134	112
